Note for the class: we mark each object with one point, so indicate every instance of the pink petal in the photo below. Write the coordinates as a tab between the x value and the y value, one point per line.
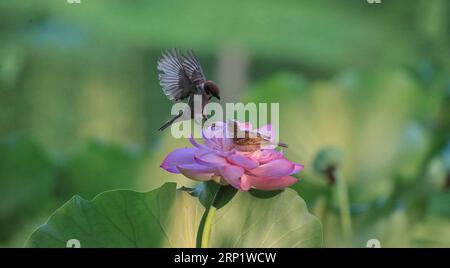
269	184
242	161
226	144
232	175
266	131
245	183
178	157
276	168
245	126
297	168
196	172
211	143
198	145
268	146
216	132
265	156
212	138
210	159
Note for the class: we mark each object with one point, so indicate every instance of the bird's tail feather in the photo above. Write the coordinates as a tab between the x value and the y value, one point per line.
170	122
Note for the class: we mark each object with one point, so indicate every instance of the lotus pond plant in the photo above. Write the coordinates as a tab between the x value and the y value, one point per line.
244	181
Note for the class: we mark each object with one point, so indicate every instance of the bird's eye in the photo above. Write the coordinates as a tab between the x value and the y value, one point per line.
208	88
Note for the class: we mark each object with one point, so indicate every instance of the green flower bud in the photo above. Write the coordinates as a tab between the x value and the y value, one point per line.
327	161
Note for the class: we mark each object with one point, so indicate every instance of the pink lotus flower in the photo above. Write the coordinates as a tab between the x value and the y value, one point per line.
220	160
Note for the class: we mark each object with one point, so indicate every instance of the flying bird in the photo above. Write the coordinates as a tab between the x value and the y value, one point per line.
181	78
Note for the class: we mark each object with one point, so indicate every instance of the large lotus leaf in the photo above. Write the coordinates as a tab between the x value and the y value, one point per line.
167	217
161	218
282	220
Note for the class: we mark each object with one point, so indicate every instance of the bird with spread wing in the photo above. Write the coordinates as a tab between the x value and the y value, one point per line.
181	78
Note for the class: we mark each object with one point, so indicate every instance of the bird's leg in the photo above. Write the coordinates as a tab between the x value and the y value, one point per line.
205	118
198	119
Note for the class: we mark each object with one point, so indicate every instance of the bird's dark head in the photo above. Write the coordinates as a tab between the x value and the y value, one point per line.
211	88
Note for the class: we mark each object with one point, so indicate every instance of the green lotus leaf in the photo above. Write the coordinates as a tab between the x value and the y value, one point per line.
167	217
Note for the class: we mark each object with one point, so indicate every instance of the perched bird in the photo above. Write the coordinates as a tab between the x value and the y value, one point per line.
249	141
181	77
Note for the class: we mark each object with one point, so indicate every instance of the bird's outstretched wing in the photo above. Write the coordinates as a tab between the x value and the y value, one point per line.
174	79
193	67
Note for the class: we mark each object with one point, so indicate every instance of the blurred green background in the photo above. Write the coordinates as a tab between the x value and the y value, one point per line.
80	103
